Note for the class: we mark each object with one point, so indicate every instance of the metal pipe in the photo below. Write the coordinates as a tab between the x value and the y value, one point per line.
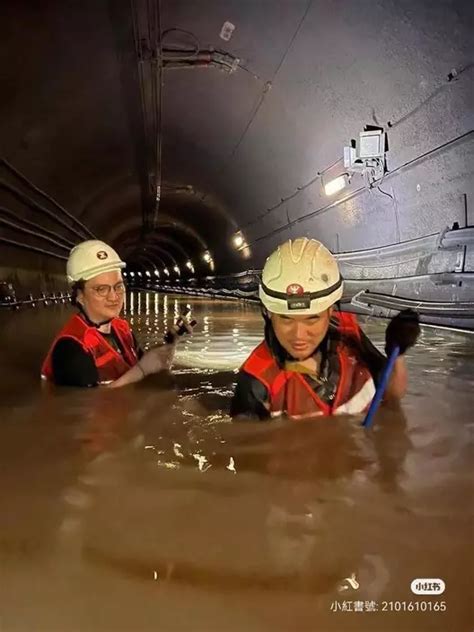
22	177
38	207
18	244
38	227
31	232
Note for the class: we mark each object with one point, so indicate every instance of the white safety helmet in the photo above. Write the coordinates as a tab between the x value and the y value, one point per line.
300	277
90	258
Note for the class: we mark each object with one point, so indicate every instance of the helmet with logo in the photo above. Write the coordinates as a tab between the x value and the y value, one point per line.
300	277
90	258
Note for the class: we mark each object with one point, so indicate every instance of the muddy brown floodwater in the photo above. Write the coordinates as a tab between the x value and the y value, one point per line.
146	508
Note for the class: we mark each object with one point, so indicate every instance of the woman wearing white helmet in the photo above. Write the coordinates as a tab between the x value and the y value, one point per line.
96	347
314	360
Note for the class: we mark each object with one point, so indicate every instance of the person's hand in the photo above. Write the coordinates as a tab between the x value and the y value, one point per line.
402	331
157	359
179	328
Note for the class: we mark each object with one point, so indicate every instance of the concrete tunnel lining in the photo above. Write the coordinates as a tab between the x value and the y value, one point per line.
241	149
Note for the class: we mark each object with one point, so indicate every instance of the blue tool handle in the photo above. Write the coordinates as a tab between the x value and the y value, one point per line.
387	372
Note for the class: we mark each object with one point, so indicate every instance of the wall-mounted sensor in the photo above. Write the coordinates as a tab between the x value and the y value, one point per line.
371	144
350	156
226	31
367	157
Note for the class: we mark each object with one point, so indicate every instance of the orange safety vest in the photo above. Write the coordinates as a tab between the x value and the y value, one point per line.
109	362
290	393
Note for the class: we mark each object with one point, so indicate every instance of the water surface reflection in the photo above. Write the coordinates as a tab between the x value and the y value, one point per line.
147	508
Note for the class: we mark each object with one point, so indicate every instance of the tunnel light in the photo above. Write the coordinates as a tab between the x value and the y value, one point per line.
157	273
177	270
148	273
241	245
139	274
245	251
208	259
132	274
189	265
333	186
238	239
166	271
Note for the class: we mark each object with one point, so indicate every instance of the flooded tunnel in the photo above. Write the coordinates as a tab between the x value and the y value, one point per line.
194	138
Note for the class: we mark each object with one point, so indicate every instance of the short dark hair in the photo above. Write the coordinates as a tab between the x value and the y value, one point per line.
77	285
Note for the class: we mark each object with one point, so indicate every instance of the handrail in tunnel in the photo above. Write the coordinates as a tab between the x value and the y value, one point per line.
462	309
458	237
45	299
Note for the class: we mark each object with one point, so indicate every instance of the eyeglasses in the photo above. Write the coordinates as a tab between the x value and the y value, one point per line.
104	290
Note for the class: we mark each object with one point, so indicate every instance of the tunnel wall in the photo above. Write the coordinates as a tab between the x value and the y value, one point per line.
258	142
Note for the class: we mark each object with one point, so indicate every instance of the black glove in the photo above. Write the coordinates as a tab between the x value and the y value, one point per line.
402	331
179	329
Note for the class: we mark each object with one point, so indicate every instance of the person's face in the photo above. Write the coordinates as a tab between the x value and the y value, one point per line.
102	297
301	335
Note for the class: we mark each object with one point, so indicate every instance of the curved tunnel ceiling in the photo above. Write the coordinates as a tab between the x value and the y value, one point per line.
157	134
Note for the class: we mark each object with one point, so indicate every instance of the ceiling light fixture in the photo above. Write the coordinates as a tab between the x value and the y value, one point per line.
238	239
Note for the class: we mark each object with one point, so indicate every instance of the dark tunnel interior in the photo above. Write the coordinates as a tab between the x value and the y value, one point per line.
170	128
262	473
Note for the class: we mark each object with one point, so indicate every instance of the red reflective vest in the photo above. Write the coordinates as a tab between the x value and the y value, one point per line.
110	364
290	393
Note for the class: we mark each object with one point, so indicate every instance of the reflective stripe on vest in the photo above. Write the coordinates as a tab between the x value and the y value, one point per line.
359	402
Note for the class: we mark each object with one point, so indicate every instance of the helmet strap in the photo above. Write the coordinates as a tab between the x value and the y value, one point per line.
272	341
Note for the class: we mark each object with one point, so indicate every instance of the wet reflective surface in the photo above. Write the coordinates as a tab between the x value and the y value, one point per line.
146	508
